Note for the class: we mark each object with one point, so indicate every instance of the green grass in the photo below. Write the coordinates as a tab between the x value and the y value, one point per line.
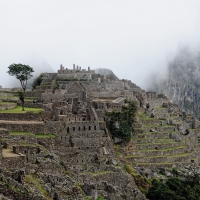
166	149
34	181
145	163
118	147
161	108
155	156
130	170
18	109
173	148
132	156
45	135
46	84
149	119
97	173
142	115
100	198
28	100
157	143
19	133
7	103
179	155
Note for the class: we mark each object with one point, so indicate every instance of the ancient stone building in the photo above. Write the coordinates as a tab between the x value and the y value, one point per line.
68	143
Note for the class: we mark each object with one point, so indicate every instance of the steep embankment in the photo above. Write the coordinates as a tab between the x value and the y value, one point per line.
182	84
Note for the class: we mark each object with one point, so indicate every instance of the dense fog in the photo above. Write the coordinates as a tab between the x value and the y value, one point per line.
135	39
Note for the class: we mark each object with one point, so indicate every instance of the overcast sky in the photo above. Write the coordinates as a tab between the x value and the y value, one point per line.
133	37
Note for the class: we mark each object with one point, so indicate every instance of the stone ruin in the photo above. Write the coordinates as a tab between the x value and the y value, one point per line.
69	146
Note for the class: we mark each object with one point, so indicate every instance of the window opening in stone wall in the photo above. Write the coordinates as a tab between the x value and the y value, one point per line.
84	128
79	128
89	127
67	129
73	128
95	127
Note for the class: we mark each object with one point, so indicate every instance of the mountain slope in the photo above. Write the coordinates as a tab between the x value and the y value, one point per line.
182	84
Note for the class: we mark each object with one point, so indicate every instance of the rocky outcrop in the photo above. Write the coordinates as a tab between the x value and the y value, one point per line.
182	84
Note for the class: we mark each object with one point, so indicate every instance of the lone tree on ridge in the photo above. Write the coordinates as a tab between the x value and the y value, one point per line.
22	73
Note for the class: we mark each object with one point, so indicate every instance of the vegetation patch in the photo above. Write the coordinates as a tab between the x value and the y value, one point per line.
132	156
35	182
175	189
173	148
120	123
97	173
6	103
18	109
100	198
20	133
180	155
37	81
141	181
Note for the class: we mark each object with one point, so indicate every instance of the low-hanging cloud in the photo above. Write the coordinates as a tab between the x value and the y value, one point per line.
132	38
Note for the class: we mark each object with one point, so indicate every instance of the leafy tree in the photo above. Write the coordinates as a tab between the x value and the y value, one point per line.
37	81
161	191
125	130
176	189
23	73
120	123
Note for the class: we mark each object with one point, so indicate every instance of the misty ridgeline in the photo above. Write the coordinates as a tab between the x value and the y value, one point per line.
182	82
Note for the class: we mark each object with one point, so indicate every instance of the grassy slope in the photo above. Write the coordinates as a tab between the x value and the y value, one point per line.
18	109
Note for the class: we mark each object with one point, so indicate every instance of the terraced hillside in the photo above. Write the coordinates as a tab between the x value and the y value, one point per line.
162	141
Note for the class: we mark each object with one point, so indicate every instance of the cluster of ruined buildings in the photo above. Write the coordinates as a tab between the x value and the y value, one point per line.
75	114
74	103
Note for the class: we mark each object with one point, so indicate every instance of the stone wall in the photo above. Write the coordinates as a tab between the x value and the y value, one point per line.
102	125
112	85
100	114
114	106
34	93
31	104
47	115
29	116
79	159
156	100
78	126
106	94
95	141
14	163
49	143
51	97
4	132
24	138
33	128
28	151
6	106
